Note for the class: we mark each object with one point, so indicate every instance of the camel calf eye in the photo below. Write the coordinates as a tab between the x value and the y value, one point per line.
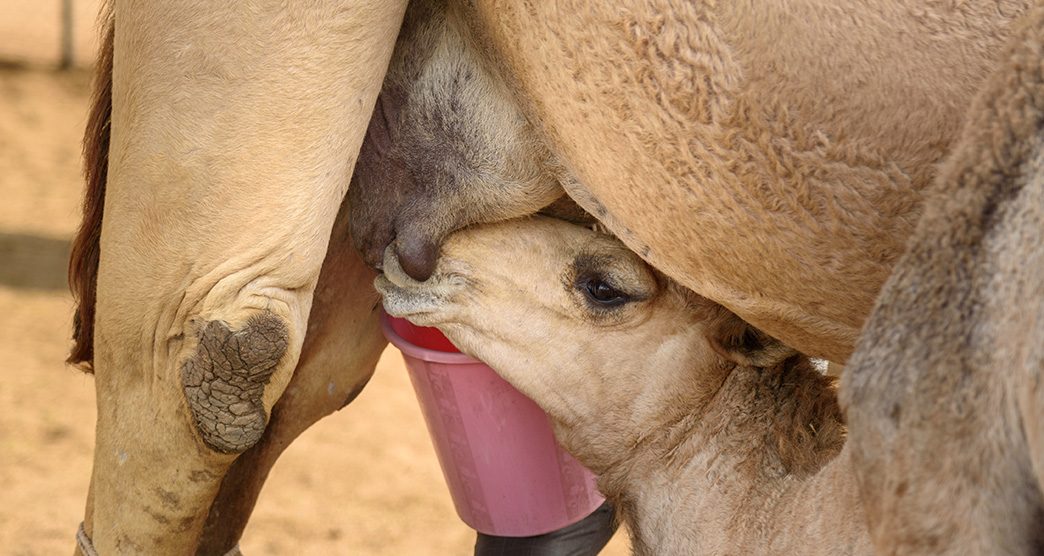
598	291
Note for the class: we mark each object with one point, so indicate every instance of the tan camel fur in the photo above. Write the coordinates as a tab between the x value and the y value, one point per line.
227	138
220	196
709	436
945	391
768	155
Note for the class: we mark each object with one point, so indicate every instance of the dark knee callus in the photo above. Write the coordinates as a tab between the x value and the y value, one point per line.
225	380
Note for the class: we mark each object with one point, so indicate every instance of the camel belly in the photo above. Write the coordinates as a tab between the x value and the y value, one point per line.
721	149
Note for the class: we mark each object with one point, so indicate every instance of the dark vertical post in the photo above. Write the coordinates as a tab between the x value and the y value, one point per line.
66	60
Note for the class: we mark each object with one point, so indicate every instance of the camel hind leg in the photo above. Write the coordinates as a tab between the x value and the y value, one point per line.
338	357
228	161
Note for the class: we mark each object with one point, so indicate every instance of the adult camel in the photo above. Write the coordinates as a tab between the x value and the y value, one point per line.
769	158
790	143
945	388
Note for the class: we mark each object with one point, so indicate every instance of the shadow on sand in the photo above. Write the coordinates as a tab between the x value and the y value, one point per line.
33	262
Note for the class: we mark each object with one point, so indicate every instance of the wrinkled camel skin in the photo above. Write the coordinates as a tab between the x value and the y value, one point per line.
769	156
338	357
710	437
219	200
945	391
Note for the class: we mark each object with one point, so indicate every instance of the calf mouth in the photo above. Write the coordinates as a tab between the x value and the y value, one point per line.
424	303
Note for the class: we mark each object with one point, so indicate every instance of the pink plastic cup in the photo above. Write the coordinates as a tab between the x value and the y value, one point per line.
506	473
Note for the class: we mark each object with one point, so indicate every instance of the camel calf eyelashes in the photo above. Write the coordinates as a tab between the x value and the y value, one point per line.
709	436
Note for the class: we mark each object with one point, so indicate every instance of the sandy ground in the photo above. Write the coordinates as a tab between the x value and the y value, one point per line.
31	30
364	481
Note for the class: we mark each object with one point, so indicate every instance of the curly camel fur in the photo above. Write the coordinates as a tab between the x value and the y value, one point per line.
768	155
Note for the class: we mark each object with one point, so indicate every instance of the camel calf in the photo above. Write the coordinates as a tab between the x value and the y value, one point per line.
708	435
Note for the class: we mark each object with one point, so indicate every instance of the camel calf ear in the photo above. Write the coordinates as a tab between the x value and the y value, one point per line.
741	343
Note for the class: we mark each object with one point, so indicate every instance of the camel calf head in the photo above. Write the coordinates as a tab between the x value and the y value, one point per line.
609	348
703	430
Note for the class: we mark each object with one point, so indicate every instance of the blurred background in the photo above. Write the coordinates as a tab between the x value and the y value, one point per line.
363	481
